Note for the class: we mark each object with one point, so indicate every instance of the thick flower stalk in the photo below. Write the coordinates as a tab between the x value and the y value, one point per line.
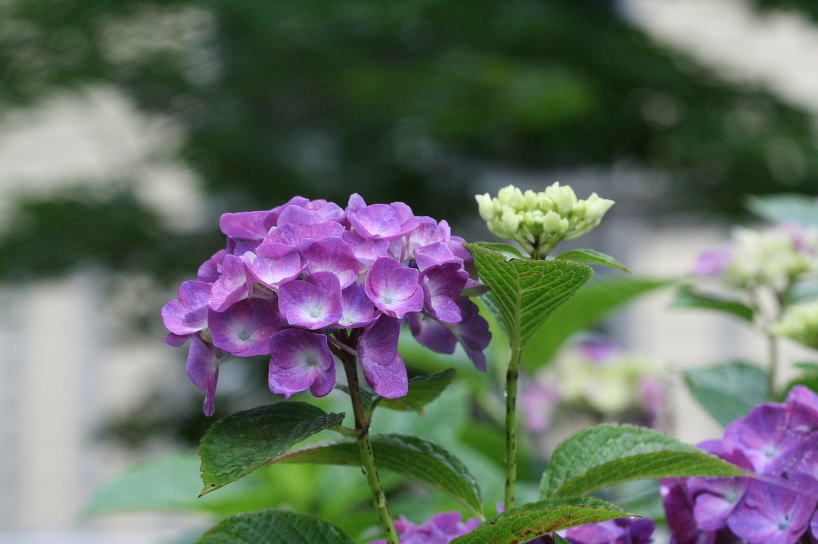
308	282
537	222
779	444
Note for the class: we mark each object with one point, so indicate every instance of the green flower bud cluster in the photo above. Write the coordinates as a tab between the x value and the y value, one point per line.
800	323
539	221
773	258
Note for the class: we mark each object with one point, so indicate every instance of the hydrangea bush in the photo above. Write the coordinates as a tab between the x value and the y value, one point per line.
319	288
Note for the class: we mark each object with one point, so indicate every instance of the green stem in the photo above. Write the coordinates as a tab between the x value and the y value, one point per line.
512	377
362	422
772	371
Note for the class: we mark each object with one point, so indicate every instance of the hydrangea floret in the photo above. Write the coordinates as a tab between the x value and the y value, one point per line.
778	443
308	281
538	221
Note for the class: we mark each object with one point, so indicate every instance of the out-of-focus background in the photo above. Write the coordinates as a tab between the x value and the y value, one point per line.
127	127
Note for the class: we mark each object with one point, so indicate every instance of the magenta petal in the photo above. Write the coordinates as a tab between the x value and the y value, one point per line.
209	270
472	332
247	225
245	328
771	513
394	288
814	525
763	435
314	303
366	251
803	397
202	368
378	221
389	381
176	340
358	310
715	499
335	256
431	334
433	254
379	341
187	314
296	215
231	286
428	232
443	284
273	272
300	360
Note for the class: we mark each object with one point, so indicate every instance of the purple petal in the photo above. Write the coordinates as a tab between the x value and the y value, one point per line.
389	381
803	397
358	310
327	211
713	262
679	511
366	251
176	340
442	286
379	341
472	332
394	288
772	514
335	256
762	435
428	232
288	238
273	272
314	303
715	499
382	221
434	254
210	269
431	333
202	367
300	360
240	247
247	225
814	525
231	286
245	328
296	215
187	314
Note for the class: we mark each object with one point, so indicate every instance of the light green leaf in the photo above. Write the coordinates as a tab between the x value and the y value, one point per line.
245	441
728	391
508	249
687	298
409	456
525	292
605	455
591	256
583	310
274	527
559	540
786	209
533	520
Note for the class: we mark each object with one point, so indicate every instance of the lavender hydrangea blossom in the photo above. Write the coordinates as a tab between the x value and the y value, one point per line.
779	444
307	278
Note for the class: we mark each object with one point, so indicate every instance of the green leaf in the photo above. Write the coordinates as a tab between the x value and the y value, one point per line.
274	527
591	256
558	539
508	249
533	520
786	209
802	291
728	391
245	441
584	310
687	298
525	292
409	456
422	391
607	454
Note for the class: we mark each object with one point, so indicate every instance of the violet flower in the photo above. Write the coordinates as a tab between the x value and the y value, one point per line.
307	278
777	442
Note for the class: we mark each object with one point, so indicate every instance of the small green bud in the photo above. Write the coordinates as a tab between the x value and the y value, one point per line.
800	323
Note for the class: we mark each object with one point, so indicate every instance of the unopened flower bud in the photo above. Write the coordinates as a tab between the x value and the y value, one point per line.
800	323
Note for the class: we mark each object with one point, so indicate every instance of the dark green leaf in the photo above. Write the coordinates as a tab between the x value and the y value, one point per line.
525	292
591	256
533	520
786	209
728	391
422	391
687	298
274	527
409	456
508	249
605	455
585	309
242	442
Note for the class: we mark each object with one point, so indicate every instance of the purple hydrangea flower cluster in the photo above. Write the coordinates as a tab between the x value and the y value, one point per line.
779	444
445	527
308	277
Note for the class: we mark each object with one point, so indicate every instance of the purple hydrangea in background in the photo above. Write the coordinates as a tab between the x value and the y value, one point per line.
779	444
445	527
307	278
